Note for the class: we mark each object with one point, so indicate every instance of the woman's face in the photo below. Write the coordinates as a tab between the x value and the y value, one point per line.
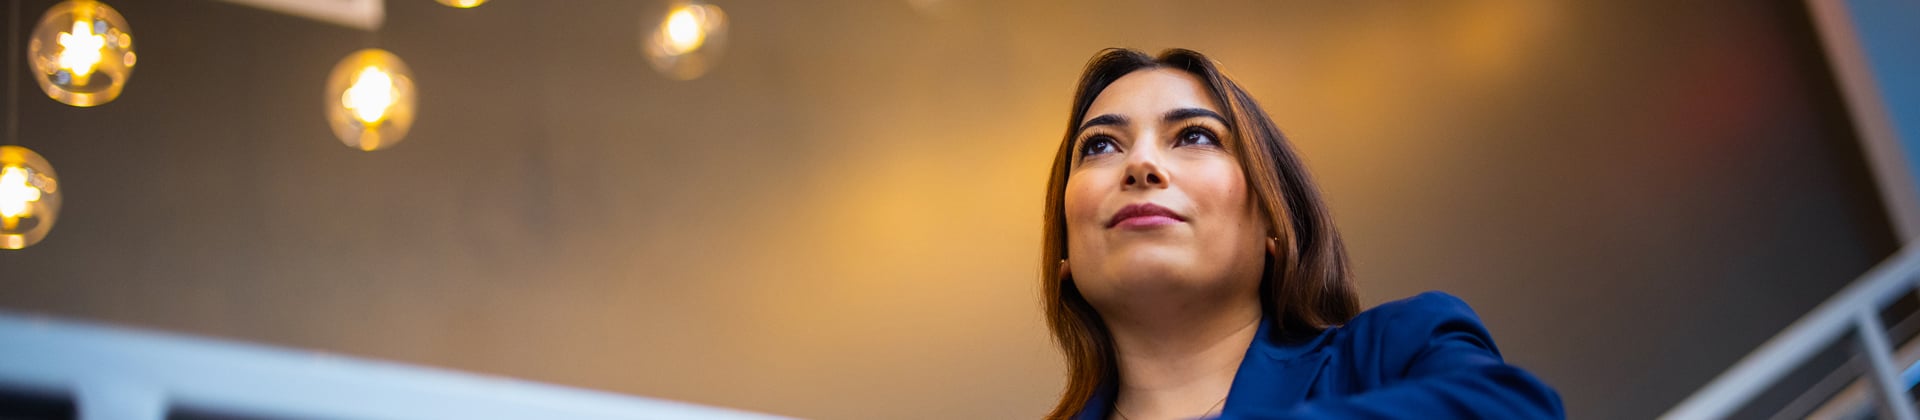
1156	203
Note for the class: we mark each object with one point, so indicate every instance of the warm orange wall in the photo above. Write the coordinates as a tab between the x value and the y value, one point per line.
840	221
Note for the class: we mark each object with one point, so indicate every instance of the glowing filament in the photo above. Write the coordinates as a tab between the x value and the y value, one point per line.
684	31
370	96
80	50
15	194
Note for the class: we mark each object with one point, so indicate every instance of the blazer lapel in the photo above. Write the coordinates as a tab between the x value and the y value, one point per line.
1273	378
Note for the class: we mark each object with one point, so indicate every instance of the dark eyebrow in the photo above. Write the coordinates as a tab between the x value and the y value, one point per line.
1174	115
1185	113
1108	119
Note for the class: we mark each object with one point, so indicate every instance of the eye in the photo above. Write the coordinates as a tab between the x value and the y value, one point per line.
1097	145
1196	136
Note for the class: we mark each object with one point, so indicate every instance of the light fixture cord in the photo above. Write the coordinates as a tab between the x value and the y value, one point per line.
13	74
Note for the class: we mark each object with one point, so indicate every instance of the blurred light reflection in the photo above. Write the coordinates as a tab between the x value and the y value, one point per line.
464	4
370	99
688	41
29	197
81	53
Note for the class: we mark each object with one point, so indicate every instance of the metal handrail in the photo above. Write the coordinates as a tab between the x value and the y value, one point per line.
1855	309
121	373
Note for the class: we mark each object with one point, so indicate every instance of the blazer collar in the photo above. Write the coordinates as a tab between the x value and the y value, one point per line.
1275	374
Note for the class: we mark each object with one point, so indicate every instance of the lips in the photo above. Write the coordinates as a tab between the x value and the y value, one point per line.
1144	215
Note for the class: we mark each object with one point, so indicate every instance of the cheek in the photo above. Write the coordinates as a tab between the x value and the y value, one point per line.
1219	192
1220	188
1082	204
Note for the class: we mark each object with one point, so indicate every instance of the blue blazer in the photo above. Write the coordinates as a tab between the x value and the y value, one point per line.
1426	356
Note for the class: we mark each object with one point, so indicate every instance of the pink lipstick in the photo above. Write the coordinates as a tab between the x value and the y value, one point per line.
1143	215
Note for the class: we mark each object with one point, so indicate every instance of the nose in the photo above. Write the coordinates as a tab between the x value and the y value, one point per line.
1144	171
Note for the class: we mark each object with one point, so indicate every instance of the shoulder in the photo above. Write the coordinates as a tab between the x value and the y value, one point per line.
1426	356
1428	306
1402	329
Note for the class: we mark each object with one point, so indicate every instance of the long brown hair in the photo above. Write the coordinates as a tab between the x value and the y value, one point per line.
1306	288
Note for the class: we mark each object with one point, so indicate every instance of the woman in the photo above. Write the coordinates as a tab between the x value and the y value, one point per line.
1194	272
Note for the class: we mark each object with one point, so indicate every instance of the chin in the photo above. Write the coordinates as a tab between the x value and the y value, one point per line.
1141	277
1152	267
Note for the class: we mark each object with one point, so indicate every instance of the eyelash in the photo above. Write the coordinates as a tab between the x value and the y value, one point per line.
1180	140
1194	129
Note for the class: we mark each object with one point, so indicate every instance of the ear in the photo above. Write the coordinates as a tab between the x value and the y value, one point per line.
1273	248
1064	272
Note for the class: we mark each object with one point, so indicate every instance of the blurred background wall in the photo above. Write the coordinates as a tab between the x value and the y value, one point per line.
841	219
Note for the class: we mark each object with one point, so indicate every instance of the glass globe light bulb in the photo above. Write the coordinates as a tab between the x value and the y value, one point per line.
684	33
29	197
81	52
370	99
688	41
464	4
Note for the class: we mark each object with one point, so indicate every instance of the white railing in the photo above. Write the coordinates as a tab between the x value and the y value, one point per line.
1856	309
120	373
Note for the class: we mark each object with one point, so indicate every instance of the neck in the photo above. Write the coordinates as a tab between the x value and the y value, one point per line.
1174	365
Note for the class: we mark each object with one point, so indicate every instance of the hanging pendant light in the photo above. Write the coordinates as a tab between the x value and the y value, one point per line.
688	41
82	53
464	4
370	99
29	197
